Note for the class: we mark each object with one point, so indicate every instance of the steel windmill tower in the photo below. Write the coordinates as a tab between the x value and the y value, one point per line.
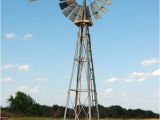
82	94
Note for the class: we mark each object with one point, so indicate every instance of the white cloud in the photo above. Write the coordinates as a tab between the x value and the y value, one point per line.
137	76
35	89
108	91
7	66
7	79
11	36
30	90
132	77
23	88
156	73
111	80
23	68
27	37
129	80
19	67
150	62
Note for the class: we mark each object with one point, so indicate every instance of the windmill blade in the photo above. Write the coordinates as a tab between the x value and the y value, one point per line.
65	3
95	11
107	2
72	16
79	15
69	9
101	8
88	13
69	2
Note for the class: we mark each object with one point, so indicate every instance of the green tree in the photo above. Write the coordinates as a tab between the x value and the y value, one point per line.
21	103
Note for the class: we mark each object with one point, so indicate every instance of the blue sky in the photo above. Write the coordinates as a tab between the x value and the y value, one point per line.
38	45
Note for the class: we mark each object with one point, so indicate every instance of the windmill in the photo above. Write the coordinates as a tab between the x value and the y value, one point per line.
82	94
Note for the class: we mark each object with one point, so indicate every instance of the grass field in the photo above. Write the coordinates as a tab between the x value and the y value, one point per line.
32	118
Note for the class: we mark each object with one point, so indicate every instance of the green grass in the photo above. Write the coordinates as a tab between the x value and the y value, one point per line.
35	118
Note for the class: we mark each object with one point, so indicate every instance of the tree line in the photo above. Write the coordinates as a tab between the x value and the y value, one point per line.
23	105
